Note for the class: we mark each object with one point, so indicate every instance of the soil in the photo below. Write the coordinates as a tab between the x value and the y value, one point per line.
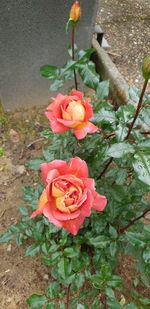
126	26
22	276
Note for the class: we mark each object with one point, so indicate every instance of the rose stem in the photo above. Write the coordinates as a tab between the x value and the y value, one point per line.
131	126
68	293
133	221
138	108
74	72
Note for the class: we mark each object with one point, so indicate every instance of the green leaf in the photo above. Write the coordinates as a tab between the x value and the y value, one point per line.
14	228
145	115
146	255
112	231
118	150
84	55
61	304
36	301
57	84
49	71
47	133
113	304
145	145
73	302
64	268
134	94
145	280
23	210
113	248
81	306
121	176
125	113
48	155
51	305
136	239
99	241
53	290
35	163
141	165
19	239
95	304
70	50
71	252
32	250
109	293
6	237
102	90
89	75
131	306
80	279
121	132
104	116
115	282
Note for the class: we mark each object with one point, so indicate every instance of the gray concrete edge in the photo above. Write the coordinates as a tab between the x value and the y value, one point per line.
108	71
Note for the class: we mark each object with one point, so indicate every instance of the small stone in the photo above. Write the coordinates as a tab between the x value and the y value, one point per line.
46	277
18	169
9	248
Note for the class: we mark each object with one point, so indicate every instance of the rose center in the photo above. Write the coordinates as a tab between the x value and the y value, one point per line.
66	195
74	111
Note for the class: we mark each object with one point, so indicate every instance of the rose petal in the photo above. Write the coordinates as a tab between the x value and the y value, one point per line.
88	128
88	109
47	213
56	126
100	202
43	200
89	183
73	226
59	165
64	216
69	123
87	205
78	167
77	93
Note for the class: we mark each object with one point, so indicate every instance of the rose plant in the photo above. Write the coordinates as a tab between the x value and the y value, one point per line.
83	248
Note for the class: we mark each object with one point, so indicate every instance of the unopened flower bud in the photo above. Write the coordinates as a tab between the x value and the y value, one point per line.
146	67
75	11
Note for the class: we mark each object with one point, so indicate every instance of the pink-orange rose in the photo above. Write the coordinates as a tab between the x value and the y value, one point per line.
69	195
67	112
75	12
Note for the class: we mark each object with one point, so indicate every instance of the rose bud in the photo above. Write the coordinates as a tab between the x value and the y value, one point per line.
146	67
75	11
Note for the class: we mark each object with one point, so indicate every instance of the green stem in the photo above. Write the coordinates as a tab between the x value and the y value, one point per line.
68	294
74	72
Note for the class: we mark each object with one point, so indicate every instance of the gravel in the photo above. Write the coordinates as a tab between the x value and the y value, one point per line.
126	26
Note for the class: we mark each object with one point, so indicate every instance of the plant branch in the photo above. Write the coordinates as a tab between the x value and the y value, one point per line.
68	294
133	221
138	109
131	125
105	168
74	72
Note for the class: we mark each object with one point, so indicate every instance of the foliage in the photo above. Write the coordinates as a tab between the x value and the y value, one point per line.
84	267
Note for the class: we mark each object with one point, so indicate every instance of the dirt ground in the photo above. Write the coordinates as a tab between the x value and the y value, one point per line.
126	26
22	276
